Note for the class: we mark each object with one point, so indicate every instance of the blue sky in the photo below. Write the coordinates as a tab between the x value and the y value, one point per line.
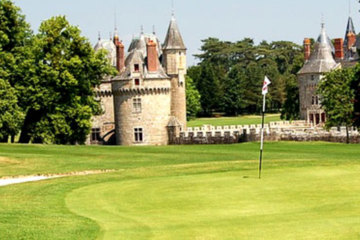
198	19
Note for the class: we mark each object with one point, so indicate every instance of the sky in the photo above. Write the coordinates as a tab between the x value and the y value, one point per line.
230	20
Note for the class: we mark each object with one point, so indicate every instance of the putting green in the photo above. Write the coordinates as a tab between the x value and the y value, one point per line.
290	203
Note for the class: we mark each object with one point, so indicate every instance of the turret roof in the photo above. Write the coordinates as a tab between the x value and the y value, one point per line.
321	59
173	38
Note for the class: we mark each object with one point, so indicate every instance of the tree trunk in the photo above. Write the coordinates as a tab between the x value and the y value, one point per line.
347	135
12	138
31	118
4	139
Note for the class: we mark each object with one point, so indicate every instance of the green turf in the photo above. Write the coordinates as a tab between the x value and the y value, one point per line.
308	191
241	120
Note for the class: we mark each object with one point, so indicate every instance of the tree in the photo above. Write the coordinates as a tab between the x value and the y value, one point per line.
290	109
355	85
338	98
11	116
15	36
58	92
233	98
193	106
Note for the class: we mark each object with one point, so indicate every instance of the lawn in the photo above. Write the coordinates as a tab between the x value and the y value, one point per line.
308	191
227	121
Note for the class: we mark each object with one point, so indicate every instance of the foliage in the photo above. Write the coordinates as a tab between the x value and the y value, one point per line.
198	187
355	85
11	116
229	76
15	35
290	109
57	94
193	106
338	98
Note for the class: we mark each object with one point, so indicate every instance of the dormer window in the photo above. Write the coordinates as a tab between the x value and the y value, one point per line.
136	67
137	82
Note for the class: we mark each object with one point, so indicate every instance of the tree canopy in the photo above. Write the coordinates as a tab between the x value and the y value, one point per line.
57	90
229	75
15	36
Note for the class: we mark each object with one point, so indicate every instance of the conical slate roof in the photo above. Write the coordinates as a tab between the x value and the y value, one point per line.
349	29
173	38
321	59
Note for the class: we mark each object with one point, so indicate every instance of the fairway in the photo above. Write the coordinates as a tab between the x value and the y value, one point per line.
308	191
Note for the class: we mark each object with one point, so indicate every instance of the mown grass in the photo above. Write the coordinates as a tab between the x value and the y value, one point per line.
308	191
227	121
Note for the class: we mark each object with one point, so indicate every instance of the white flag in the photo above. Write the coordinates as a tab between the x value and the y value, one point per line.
265	89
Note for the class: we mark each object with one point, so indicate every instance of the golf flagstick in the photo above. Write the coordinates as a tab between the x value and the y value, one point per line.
265	90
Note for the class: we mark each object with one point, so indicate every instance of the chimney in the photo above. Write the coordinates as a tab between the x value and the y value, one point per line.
152	56
339	48
351	39
120	56
307	48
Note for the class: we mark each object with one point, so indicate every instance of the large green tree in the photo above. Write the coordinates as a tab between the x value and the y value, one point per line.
57	93
338	98
15	36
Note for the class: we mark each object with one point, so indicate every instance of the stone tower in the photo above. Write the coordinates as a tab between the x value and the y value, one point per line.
174	61
320	62
142	97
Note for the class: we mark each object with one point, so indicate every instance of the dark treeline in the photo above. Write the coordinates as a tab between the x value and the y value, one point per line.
229	76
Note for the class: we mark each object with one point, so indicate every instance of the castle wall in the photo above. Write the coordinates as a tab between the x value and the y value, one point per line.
275	131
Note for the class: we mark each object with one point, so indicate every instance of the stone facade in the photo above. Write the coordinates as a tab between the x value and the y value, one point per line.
148	94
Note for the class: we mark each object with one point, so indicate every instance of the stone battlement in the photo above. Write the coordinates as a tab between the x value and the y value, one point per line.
274	131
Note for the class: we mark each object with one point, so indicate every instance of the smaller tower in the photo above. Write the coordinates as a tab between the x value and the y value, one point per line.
350	41
174	61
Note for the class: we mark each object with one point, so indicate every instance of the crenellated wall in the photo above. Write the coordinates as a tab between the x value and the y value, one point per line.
275	131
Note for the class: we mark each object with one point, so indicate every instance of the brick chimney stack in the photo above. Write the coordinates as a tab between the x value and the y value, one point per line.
120	56
152	56
351	39
120	53
339	48
307	48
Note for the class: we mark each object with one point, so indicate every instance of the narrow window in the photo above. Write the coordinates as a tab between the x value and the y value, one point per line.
312	77
95	135
137	82
138	134
313	100
137	105
136	67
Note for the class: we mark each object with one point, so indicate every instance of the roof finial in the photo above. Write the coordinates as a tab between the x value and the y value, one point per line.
154	30
322	21
99	36
349	8
142	29
173	8
115	23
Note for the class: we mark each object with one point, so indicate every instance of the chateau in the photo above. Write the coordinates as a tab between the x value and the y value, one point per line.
146	102
325	57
